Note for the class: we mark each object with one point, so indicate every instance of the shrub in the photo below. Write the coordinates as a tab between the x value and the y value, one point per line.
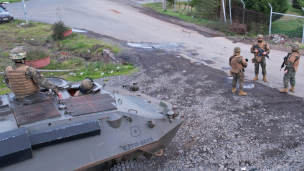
35	53
208	9
298	4
280	6
58	29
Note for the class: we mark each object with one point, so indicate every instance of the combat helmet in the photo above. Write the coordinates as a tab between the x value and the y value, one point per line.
18	53
237	49
86	85
294	48
260	36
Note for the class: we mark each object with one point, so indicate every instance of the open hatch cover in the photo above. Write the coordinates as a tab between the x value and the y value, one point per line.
36	112
89	104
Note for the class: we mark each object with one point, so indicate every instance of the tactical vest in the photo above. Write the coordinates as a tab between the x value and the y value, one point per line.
262	45
235	65
295	59
18	83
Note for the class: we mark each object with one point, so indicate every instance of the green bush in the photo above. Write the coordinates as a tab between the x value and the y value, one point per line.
298	4
58	28
280	6
35	53
208	9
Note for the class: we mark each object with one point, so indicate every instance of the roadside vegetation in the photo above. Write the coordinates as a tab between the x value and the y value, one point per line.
11	1
207	13
73	53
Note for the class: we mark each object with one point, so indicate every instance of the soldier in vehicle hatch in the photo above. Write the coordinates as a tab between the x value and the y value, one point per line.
260	58
291	62
238	63
24	80
85	87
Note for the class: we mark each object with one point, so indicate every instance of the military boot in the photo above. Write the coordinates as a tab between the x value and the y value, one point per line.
255	78
285	90
292	89
241	93
264	78
233	90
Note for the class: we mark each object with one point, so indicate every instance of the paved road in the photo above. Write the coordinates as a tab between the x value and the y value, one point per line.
129	24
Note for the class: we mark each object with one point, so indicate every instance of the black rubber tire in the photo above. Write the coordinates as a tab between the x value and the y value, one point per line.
130	166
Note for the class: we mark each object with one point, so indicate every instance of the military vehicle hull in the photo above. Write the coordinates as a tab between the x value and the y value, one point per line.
92	132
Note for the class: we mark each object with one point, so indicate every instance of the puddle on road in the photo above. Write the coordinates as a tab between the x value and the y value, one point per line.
249	86
138	45
207	61
226	68
198	63
79	31
170	46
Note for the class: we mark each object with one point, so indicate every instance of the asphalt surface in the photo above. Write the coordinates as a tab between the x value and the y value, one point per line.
130	24
222	131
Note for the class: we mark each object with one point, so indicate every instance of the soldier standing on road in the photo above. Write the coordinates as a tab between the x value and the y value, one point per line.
85	87
238	63
260	58
24	80
292	63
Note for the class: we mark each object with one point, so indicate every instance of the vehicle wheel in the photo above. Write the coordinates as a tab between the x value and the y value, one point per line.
130	166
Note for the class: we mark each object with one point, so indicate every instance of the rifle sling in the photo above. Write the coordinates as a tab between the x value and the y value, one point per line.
232	57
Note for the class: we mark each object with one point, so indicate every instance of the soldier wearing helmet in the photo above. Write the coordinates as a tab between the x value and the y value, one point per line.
85	87
238	63
260	58
24	80
291	63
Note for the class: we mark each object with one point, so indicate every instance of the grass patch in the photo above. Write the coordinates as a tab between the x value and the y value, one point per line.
189	18
16	34
82	44
94	69
290	26
3	89
11	1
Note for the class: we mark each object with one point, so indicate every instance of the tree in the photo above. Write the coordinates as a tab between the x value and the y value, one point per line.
262	6
298	4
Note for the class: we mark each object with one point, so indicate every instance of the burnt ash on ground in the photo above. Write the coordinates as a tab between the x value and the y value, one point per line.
222	131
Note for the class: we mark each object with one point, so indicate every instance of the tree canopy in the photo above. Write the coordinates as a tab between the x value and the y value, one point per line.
262	6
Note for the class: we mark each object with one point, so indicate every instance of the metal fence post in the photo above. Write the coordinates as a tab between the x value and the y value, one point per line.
24	11
230	11
188	7
243	11
270	19
303	30
223	1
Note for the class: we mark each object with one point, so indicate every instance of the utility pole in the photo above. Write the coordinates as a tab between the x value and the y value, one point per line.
24	11
164	5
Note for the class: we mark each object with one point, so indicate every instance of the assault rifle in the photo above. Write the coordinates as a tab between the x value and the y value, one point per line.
261	51
284	61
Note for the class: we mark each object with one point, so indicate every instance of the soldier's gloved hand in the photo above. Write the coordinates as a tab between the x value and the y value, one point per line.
246	60
286	71
60	96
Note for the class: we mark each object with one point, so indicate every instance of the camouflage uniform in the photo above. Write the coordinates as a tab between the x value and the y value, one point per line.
260	60
18	54
292	63
237	63
85	87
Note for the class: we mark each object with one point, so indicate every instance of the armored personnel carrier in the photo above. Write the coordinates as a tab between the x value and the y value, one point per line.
107	130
